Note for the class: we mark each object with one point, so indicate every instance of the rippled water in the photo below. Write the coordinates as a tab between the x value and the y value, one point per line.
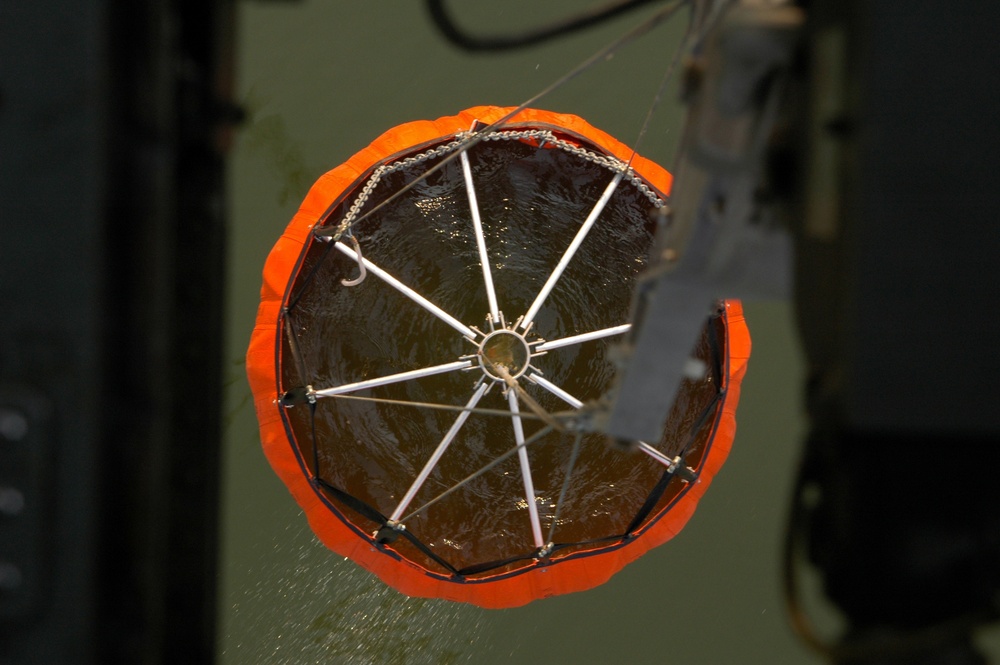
532	202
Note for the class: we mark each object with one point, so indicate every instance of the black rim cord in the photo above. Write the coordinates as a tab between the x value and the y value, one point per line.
586	19
661	486
656	494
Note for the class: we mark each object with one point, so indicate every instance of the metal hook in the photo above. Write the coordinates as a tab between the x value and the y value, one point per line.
361	265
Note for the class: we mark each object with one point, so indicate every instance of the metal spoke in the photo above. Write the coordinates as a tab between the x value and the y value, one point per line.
394	378
439	451
537	436
584	337
522	454
540	380
671	464
570	251
477	223
409	293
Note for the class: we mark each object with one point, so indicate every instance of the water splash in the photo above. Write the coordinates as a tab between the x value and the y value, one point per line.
308	606
378	625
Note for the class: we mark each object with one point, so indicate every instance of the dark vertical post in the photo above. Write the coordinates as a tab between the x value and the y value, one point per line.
112	121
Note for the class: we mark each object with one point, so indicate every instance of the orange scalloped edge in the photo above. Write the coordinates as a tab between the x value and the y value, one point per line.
577	572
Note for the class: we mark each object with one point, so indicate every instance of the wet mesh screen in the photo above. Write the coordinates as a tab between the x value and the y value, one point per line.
532	202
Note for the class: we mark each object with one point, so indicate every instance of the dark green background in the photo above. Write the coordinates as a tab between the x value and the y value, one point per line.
321	80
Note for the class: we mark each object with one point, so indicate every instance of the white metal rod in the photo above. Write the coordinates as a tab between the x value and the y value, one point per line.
394	378
657	455
522	454
540	380
439	451
477	223
410	293
585	337
570	251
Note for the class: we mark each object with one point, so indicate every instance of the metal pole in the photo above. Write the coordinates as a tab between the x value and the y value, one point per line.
522	454
584	337
439	451
540	380
571	250
477	223
394	378
409	293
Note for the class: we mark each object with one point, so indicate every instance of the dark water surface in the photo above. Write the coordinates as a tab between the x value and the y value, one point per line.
321	80
532	201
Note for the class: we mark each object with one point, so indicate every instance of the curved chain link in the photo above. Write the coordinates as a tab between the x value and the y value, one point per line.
541	135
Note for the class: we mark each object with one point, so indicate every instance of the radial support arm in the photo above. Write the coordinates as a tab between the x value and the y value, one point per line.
540	380
409	293
522	454
571	251
584	337
393	378
477	224
439	451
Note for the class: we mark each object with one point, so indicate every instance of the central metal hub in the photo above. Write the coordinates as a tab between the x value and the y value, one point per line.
504	349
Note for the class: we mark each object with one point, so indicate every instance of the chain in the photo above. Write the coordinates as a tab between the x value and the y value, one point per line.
544	136
613	164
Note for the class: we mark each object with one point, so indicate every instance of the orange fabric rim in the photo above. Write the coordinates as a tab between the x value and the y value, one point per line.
576	572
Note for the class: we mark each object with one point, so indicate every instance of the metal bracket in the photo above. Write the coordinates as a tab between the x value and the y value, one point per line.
713	244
